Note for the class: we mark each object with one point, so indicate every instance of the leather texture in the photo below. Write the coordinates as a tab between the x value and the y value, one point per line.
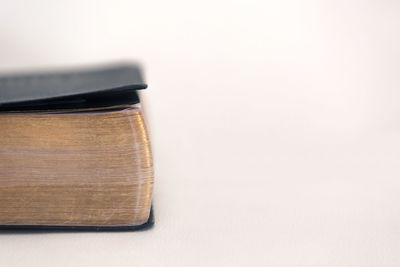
80	88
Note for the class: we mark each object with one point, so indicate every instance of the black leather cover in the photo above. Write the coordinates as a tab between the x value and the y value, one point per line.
45	228
81	88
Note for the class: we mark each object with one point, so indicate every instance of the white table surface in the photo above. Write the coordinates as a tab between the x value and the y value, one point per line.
275	127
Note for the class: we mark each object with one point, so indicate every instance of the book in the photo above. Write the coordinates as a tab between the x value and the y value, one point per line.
74	150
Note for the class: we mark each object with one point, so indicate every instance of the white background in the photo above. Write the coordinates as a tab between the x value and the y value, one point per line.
275	127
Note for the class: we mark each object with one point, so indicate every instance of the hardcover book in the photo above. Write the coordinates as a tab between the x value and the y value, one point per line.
74	150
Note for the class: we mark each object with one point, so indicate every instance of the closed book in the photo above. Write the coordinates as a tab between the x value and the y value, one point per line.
74	150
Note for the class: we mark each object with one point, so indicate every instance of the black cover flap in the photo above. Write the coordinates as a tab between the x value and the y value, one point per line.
81	88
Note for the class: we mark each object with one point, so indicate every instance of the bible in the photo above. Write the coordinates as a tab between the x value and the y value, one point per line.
74	150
